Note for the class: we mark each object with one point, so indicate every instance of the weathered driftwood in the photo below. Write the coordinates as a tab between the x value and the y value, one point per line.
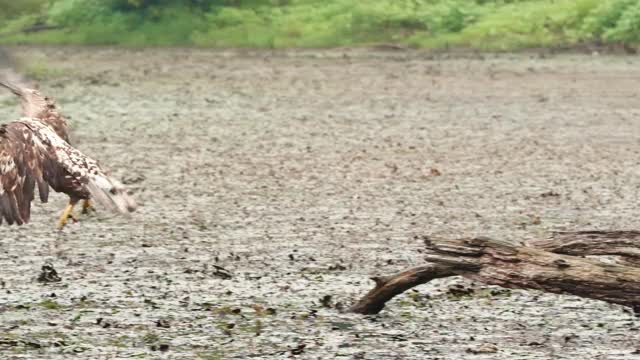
500	263
623	244
389	286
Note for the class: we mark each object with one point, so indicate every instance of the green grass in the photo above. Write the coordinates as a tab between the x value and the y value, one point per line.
524	24
49	304
12	8
482	24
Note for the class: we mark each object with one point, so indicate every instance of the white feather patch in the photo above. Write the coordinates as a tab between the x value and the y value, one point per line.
106	191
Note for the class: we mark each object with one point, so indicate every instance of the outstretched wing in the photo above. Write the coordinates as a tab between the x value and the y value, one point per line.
32	154
34	104
21	169
82	169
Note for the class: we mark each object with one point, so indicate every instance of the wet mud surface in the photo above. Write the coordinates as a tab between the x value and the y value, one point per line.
273	185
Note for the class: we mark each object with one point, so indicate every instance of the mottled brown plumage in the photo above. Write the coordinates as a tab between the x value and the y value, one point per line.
33	155
35	151
37	106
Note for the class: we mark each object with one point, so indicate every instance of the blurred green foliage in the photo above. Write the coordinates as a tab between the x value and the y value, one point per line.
489	24
13	8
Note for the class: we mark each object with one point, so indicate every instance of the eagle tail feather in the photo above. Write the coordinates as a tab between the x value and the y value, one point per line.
43	190
111	194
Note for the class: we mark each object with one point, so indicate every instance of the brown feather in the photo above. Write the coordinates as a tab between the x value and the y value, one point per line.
32	154
16	178
38	106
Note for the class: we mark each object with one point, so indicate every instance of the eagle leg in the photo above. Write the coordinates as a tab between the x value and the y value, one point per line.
87	206
66	214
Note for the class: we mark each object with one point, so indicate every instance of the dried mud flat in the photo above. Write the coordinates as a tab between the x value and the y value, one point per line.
274	184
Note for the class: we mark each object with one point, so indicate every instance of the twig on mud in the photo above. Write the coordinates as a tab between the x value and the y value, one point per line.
221	272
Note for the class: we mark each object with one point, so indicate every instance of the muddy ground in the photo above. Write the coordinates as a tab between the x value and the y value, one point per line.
301	174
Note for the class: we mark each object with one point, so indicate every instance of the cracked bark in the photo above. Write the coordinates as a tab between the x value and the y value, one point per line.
501	263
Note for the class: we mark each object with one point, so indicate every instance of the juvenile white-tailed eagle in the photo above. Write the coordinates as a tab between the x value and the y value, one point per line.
35	152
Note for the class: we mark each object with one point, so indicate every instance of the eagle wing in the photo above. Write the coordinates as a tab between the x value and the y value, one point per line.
34	104
32	154
21	168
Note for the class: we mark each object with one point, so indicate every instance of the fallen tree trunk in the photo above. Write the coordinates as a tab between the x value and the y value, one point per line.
623	244
500	263
521	267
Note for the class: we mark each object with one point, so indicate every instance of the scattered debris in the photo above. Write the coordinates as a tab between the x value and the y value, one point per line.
483	349
549	194
341	325
159	347
163	323
221	272
27	342
298	350
133	179
325	301
104	323
48	274
460	290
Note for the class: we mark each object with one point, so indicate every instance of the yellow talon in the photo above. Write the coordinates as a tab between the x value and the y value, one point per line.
66	214
87	206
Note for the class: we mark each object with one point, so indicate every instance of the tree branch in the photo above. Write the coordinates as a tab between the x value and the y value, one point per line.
389	286
521	267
